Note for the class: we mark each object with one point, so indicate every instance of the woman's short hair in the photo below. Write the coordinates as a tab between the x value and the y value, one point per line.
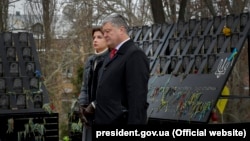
96	29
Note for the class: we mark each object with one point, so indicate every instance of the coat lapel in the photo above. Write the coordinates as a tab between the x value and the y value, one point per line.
120	52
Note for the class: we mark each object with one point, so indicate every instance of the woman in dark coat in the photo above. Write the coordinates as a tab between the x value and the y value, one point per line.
90	78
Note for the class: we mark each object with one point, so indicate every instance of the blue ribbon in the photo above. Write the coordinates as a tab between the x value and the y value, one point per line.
230	58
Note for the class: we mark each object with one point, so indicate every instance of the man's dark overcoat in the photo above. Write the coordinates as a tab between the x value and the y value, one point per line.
121	96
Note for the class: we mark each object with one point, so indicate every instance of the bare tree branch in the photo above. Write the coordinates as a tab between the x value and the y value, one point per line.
209	5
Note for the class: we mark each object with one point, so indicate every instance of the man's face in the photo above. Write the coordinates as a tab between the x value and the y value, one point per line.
111	34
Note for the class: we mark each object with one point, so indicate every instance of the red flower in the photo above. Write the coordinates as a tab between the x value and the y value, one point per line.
52	106
214	117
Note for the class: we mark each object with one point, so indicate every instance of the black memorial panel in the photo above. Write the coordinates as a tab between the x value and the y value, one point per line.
21	90
190	63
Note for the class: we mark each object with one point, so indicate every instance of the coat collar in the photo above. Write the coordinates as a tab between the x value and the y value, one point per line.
125	47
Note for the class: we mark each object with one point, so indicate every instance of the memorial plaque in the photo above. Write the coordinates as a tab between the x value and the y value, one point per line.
164	28
23	38
191	25
185	62
229	21
198	61
173	63
204	22
21	101
145	46
195	42
171	44
14	68
7	37
4	101
154	28
207	42
17	84
211	61
38	101
220	41
217	22
163	61
144	31
30	68
137	43
11	53
183	43
34	83
26	54
234	40
135	29
243	21
155	45
180	26
2	85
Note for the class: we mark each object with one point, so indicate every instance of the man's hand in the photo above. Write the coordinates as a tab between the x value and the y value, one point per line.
84	112
90	109
82	116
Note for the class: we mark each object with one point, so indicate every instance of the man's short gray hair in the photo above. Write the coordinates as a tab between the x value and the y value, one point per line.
116	20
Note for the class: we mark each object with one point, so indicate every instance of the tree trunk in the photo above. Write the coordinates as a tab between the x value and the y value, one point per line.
157	11
182	11
4	14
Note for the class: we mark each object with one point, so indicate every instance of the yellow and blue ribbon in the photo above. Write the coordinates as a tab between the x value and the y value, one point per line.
235	51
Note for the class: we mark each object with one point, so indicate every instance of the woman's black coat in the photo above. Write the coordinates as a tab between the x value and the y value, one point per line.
90	78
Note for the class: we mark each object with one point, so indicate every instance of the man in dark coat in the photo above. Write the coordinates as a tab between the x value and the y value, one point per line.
121	96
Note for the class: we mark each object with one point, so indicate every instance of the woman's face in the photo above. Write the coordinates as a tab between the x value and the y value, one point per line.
99	42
